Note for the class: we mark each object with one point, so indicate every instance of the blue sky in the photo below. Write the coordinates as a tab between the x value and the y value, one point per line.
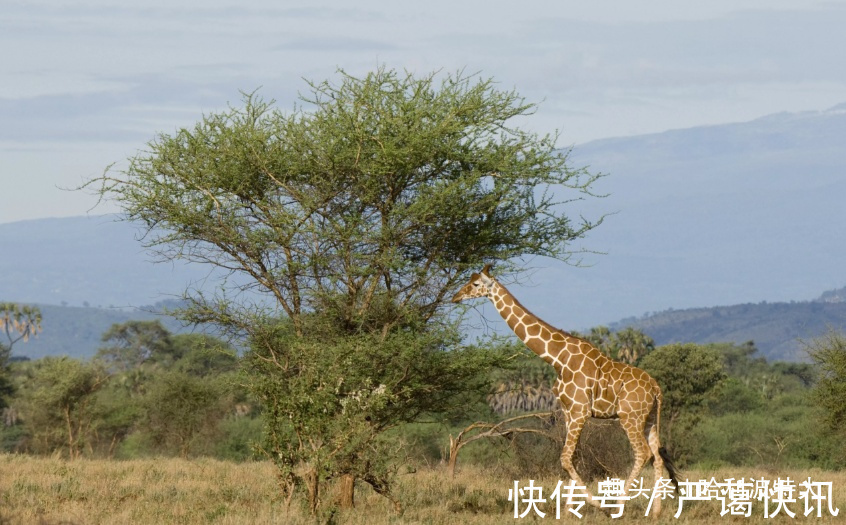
84	84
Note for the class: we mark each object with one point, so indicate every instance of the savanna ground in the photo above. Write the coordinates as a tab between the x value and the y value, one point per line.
162	491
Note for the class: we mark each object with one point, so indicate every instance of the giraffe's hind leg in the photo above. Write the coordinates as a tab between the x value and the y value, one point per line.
636	431
654	441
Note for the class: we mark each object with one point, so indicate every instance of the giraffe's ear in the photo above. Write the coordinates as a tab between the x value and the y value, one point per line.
486	271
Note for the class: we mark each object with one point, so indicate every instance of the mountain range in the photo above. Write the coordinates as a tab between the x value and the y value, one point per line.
733	214
780	331
716	215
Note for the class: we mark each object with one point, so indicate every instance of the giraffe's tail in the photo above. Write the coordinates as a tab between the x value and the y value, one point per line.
671	468
665	456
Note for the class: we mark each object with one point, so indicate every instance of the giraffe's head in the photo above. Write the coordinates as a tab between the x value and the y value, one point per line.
480	285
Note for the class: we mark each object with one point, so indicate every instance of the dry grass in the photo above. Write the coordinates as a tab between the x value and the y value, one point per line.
45	490
163	491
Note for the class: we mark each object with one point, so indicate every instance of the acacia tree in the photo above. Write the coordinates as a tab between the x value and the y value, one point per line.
132	344
343	226
56	397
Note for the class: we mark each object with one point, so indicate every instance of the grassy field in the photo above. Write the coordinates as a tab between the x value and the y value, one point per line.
163	491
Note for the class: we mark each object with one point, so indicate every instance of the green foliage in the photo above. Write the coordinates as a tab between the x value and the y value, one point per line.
829	393
689	376
237	438
56	397
761	414
174	390
116	412
741	360
181	410
150	392
133	344
777	435
764	379
201	355
7	388
736	396
329	400
13	438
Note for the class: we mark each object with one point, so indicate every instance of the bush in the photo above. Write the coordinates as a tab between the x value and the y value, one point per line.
238	437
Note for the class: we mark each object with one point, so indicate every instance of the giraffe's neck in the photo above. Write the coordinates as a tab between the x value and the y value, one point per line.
541	338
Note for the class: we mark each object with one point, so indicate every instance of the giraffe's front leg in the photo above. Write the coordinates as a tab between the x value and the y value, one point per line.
575	423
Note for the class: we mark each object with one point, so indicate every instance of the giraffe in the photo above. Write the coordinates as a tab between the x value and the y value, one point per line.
589	384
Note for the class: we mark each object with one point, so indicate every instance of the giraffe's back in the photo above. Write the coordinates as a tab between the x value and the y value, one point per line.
610	389
636	392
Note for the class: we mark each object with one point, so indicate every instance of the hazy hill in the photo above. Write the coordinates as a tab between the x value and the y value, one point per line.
94	261
76	330
730	214
778	329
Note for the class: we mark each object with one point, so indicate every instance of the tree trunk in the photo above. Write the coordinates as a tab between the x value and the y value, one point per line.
112	446
346	491
71	443
313	486
453	455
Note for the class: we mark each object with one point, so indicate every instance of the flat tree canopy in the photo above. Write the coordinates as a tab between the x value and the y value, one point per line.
354	216
384	190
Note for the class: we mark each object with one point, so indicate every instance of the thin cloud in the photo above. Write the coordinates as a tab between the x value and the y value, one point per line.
335	43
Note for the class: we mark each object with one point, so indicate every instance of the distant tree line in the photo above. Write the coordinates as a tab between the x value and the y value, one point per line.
151	392
146	392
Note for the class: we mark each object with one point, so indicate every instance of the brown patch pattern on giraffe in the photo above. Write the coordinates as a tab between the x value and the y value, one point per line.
589	384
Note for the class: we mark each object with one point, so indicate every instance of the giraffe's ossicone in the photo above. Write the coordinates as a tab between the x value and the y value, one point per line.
589	384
